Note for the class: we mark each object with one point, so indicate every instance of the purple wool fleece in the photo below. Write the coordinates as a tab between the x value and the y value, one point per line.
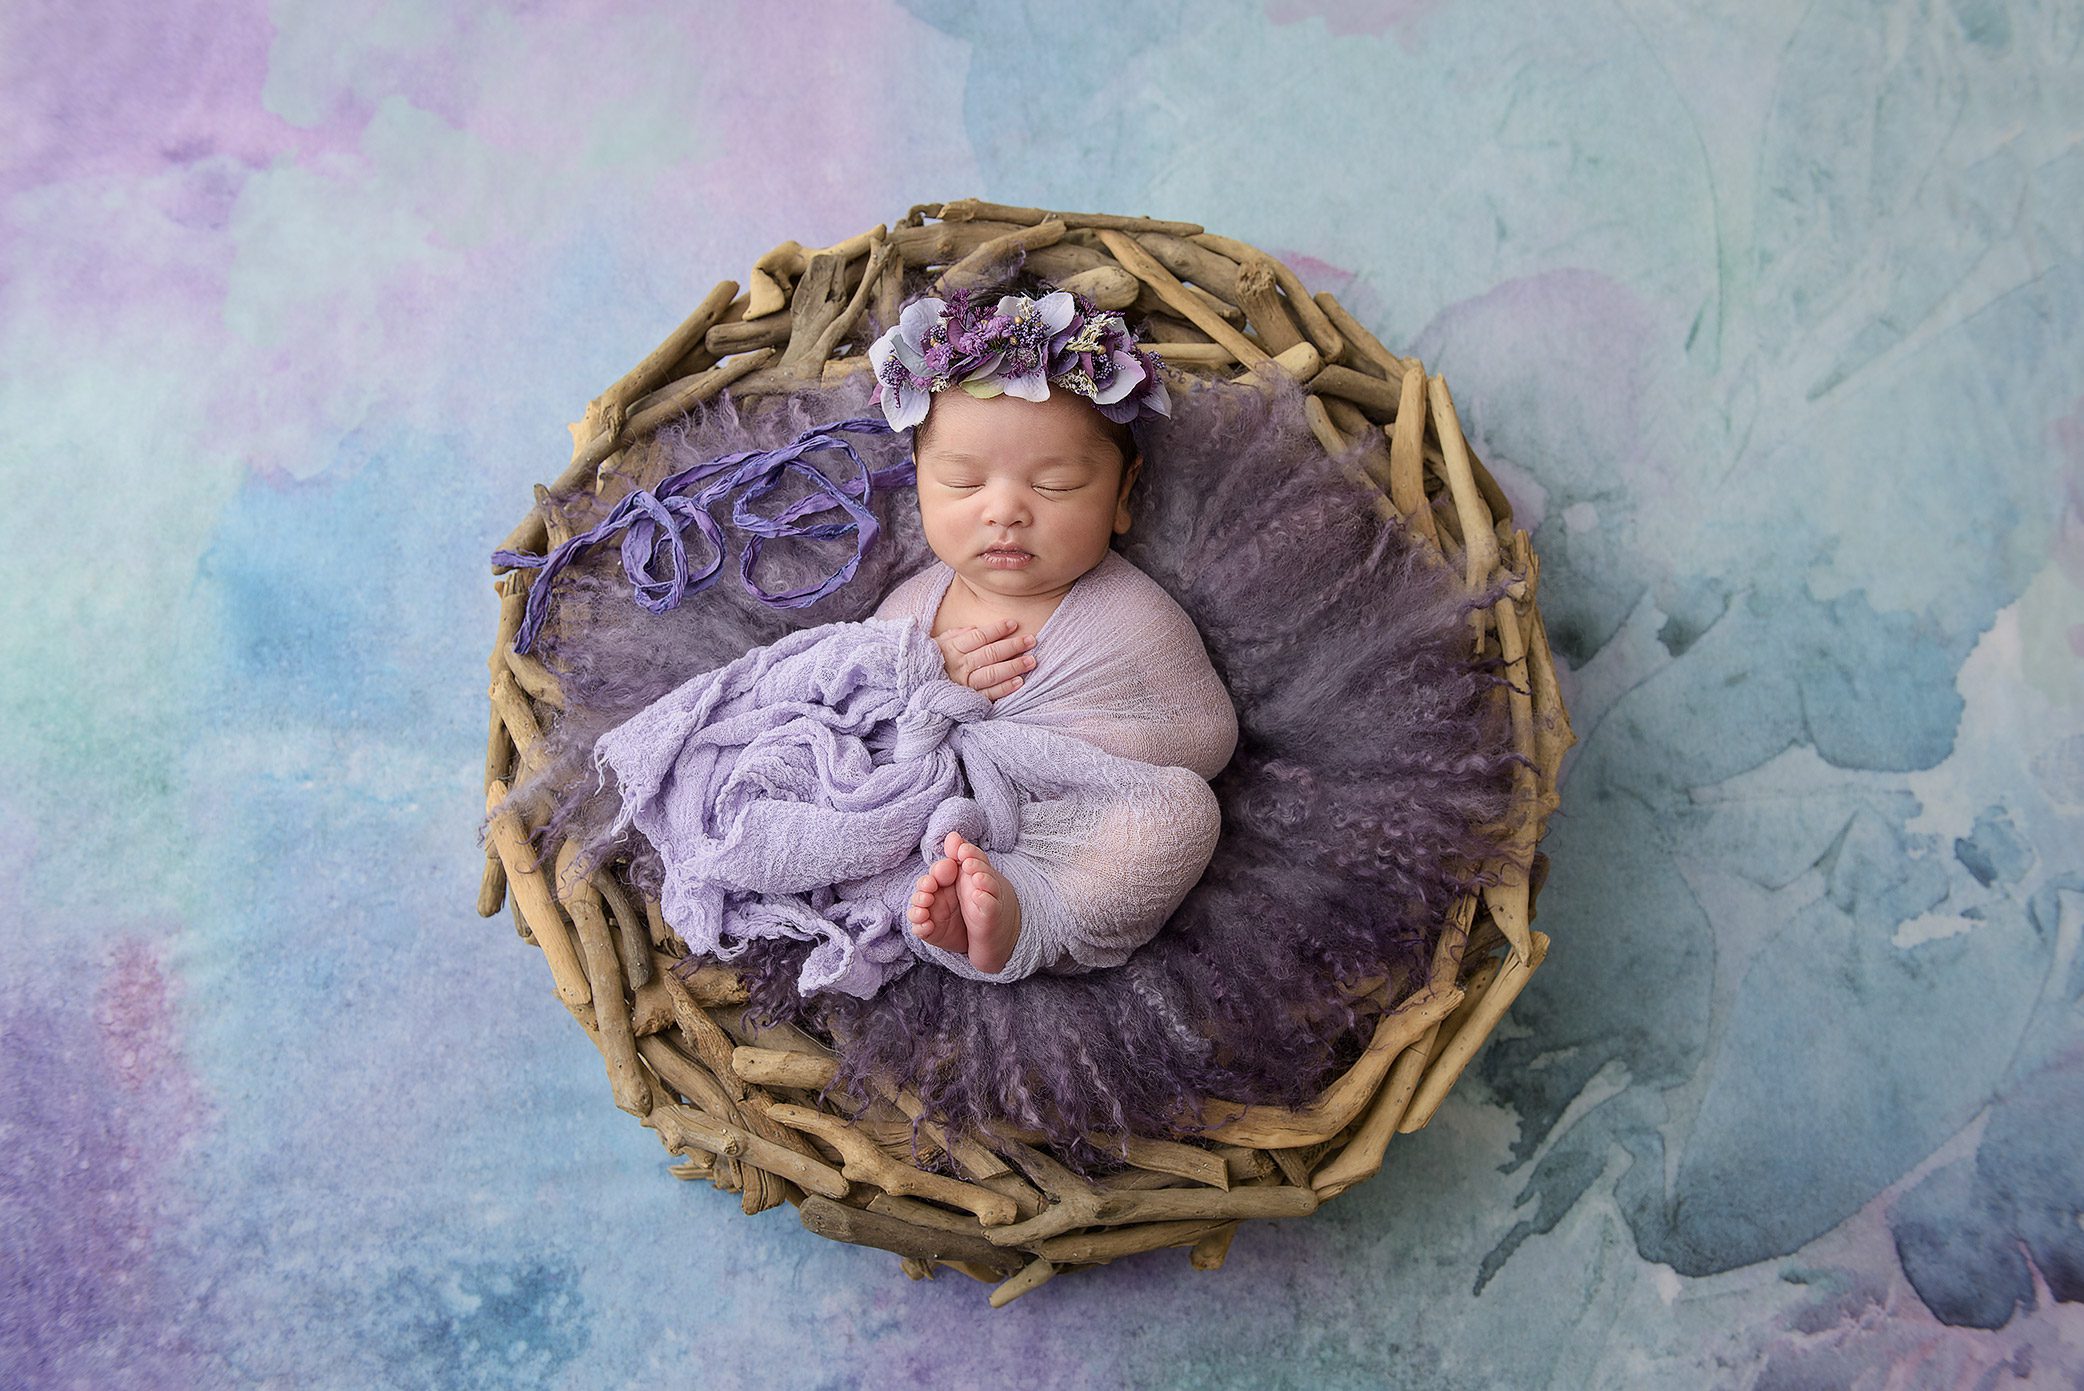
1371	758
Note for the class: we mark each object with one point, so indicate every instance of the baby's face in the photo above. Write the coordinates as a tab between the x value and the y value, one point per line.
1041	476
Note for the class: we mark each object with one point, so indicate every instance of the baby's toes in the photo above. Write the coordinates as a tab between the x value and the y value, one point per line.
922	898
980	884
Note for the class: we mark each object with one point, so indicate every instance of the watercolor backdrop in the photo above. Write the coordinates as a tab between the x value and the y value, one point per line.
1767	314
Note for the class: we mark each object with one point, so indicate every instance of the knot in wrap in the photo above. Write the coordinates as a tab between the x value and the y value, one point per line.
656	520
932	711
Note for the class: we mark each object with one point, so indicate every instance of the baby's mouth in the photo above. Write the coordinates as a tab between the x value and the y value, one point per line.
1007	550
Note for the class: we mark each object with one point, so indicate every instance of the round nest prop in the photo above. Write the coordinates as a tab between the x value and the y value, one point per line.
1366	921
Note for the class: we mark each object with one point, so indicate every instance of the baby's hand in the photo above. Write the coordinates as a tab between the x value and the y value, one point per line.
988	658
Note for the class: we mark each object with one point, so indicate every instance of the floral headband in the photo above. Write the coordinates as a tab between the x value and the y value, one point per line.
1021	347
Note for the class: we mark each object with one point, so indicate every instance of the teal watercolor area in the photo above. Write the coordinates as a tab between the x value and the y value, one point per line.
1767	318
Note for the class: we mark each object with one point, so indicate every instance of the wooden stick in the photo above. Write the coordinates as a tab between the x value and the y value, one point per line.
1141	1180
512	707
1378	399
684	1126
1209	1251
1292	1168
1507	899
711	983
1321	426
1192	354
605	979
1456	1051
821	318
1140	264
499	743
1481	554
532	896
1096	1208
662	936
862	1227
767	287
530	536
779	1067
630	929
1362	1156
1092	1248
1171	1157
770	331
1228	312
699	1164
868	1164
1273	1127
1259	295
921	1214
1315	323
513	606
1245	1164
1194	263
972	210
1364	343
533	677
944	243
1169	328
970	1156
1108	287
1553	735
759	1189
986	265
701	1086
492	886
1036	1272
1407	488
1070	258
1347	419
675	400
1300	362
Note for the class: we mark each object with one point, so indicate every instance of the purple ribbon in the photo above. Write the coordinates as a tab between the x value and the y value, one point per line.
657	520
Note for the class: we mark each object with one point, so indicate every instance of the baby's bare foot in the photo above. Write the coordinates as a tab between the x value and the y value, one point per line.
978	916
990	908
936	913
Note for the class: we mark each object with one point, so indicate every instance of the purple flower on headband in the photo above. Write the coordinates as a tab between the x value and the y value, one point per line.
1101	362
911	362
1032	329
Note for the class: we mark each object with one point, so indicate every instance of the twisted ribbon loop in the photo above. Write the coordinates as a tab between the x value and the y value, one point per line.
654	523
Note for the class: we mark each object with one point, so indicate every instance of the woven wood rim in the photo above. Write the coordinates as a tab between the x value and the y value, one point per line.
739	1104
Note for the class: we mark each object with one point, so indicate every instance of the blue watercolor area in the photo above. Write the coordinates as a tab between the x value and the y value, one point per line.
1766	319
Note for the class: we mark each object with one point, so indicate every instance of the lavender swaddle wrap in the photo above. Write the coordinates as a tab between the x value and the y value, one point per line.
801	789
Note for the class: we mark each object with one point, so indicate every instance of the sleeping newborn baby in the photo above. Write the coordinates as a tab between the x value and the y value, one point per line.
1031	718
1018	499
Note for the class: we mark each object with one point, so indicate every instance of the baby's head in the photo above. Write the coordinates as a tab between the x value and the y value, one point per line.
1050	478
1031	448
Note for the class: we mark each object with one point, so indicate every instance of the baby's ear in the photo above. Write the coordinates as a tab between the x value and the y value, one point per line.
1122	519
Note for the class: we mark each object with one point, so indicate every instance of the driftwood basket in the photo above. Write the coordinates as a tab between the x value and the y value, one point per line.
738	1104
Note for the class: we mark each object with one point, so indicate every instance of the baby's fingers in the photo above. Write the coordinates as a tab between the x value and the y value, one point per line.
1003	689
991	674
970	639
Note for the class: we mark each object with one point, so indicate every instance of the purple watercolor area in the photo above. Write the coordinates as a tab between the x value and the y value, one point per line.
97	1108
